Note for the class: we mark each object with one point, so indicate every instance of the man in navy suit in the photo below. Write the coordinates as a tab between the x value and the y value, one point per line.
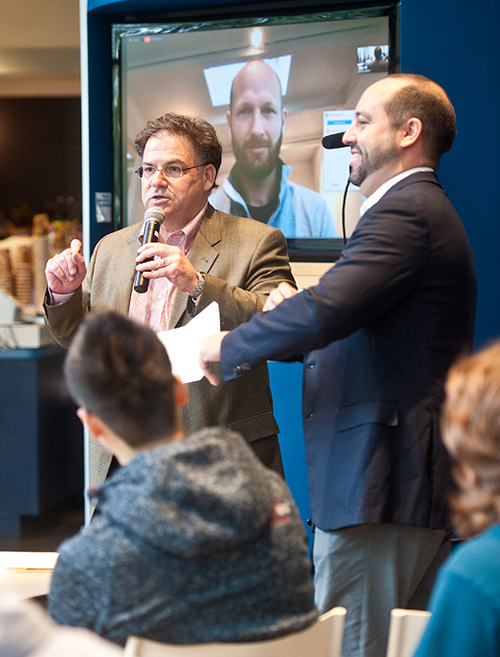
377	335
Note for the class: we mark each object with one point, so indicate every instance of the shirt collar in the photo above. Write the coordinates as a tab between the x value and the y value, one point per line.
385	187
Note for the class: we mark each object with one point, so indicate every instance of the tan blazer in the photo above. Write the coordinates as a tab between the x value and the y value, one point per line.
244	260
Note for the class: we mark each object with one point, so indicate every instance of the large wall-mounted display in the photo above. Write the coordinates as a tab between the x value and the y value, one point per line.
323	61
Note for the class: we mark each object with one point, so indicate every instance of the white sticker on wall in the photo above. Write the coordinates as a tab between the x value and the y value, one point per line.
103	204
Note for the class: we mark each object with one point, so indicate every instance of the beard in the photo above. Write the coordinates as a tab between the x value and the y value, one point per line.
257	166
368	163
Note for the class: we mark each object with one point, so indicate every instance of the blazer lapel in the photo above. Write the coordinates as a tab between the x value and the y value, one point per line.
124	292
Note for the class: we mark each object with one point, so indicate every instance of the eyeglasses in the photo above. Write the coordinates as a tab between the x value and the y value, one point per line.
172	172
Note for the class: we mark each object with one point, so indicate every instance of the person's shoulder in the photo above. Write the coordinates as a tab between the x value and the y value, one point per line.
219	196
80	551
306	193
478	559
418	195
310	204
121	235
426	182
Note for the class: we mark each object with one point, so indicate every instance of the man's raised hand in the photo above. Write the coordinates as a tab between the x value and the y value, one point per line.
65	271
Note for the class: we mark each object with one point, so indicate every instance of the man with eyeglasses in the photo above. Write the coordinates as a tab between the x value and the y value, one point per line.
202	255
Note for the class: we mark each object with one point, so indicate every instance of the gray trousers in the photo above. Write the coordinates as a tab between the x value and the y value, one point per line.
371	569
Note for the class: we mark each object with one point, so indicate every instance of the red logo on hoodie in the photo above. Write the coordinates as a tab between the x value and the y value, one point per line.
280	512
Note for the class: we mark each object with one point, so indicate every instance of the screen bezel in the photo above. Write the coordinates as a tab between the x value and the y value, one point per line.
310	249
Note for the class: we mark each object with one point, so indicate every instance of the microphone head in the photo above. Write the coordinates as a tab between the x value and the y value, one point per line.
154	214
334	141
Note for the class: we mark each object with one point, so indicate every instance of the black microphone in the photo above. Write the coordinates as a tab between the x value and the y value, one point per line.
153	218
334	141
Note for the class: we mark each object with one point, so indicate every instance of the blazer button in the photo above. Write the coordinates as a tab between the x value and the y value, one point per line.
309	416
239	369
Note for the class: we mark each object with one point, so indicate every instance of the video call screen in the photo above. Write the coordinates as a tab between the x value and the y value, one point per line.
189	68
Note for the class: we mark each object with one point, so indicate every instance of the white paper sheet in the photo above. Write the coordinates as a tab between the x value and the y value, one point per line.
183	343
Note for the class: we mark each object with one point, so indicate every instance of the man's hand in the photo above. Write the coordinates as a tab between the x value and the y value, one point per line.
210	353
279	294
65	271
171	263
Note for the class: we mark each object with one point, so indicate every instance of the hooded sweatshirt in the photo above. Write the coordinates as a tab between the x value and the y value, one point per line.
195	541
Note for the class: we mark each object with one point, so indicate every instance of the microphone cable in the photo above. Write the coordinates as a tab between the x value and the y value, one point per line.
344	199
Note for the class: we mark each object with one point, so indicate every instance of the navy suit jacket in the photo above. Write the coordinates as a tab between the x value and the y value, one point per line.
378	334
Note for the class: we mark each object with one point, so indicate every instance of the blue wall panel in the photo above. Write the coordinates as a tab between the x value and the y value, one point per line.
286	384
454	42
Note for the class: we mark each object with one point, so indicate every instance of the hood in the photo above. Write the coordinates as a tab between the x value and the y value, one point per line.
203	494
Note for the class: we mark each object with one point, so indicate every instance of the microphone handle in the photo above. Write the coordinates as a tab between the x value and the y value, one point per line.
150	235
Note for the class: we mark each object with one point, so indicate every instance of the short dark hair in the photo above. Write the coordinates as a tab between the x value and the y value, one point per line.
118	370
424	99
199	132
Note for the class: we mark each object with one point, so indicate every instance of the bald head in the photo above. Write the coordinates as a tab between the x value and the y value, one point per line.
256	74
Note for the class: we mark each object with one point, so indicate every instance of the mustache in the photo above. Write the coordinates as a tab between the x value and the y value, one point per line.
258	143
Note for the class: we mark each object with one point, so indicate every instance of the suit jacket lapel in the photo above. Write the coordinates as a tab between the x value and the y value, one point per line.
202	256
124	292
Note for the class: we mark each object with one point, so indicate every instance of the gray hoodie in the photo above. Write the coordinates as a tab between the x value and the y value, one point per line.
194	541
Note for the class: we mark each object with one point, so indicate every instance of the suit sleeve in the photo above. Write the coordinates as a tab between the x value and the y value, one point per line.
383	261
64	319
266	269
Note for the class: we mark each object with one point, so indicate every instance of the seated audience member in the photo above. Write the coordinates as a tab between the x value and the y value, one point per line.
194	539
465	603
27	631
